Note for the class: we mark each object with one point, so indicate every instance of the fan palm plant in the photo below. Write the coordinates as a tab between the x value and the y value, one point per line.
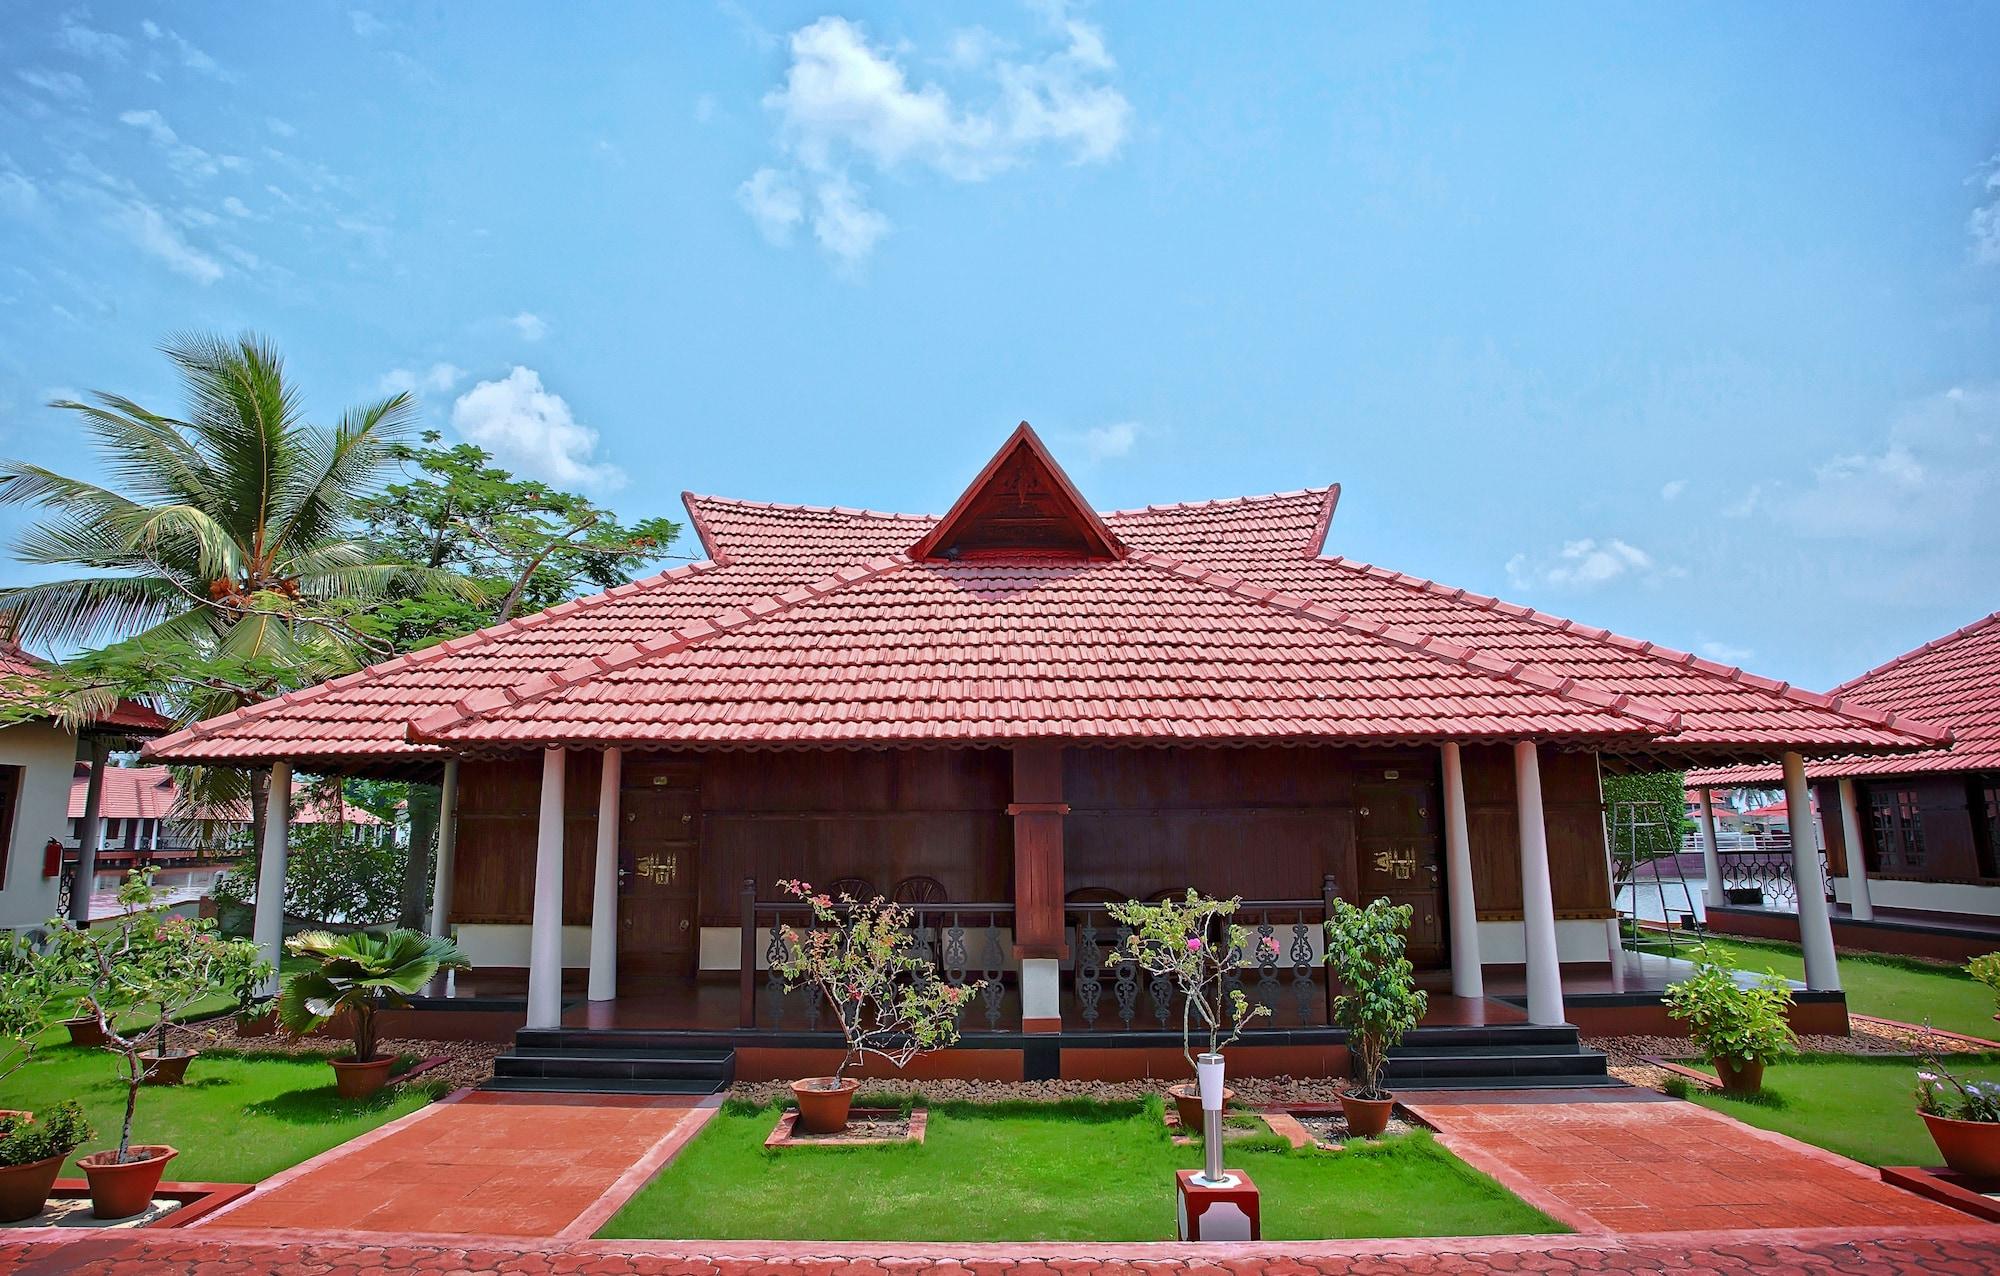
224	540
360	974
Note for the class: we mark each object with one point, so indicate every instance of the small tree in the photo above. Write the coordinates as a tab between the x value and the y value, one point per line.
1192	942
861	957
148	961
1380	1001
32	998
361	974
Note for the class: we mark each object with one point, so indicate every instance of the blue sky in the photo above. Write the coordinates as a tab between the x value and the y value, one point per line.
1677	319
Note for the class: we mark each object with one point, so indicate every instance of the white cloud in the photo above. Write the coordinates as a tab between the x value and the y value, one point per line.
530	326
86	41
193	58
533	431
847	104
1984	221
19	196
1672	489
156	237
188	160
1588	563
843	223
1935	474
279	127
236	207
67	85
365	24
1724	654
774	202
439	378
1109	442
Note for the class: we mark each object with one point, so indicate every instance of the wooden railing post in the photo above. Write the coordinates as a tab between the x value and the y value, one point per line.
746	974
1329	891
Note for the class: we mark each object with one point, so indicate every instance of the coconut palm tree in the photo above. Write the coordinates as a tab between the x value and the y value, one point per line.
227	534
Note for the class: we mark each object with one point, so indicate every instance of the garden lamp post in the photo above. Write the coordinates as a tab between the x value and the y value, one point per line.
1208	1071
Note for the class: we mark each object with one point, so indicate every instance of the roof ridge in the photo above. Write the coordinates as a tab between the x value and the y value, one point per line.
1212	502
404	660
1831	702
792	508
1925	649
429	728
1660	719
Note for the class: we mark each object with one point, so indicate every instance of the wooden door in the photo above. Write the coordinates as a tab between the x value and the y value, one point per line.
658	896
1396	845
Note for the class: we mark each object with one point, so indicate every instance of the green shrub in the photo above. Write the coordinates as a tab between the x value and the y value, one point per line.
57	1131
1727	1020
1365	950
1987	971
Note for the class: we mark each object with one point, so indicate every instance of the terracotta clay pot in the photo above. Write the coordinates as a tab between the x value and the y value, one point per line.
353	1080
1970	1147
1740	1076
24	1189
1366	1118
166	1069
1187	1107
261	1024
84	1032
823	1103
122	1189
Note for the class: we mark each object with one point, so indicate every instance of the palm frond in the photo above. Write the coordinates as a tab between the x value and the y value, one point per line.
336	470
186	532
60	614
244	416
148	452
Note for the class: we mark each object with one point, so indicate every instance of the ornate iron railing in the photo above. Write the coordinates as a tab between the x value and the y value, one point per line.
967	942
1767	868
1286	977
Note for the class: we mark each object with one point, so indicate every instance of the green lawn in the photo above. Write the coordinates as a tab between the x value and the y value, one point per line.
1863	1108
238	1119
1885	986
1071	1171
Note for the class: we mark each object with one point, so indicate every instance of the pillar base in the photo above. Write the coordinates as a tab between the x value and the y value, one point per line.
1041	994
1232	1212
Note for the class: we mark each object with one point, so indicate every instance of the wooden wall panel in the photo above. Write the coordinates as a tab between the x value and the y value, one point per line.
1574	815
499	810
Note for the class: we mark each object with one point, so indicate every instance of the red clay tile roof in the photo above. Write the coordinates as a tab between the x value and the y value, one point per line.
1953	681
811	625
149	793
126	716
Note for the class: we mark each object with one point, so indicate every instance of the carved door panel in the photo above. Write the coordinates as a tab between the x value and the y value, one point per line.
1396	853
658	896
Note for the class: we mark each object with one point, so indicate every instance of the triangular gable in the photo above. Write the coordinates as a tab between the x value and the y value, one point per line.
1021	503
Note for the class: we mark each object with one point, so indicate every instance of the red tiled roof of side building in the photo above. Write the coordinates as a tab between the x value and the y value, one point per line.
126	715
1953	681
1145	648
149	793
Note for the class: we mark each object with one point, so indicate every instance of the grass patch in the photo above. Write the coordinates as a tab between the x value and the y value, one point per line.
1879	984
1863	1108
239	1118
1075	1170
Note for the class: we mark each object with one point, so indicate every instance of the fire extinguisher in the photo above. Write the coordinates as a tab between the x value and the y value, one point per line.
52	859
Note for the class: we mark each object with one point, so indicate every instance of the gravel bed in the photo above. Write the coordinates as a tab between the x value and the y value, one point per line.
861	1129
468	1063
1253	1092
1330	1130
1625	1056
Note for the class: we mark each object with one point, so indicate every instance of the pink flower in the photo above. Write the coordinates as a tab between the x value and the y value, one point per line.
1194	945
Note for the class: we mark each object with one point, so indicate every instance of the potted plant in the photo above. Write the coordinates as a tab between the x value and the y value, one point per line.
887	997
145	960
31	1156
1987	971
360	975
1378	1003
1963	1116
1737	1027
1192	942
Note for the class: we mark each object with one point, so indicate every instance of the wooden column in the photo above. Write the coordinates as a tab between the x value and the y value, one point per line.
1039	935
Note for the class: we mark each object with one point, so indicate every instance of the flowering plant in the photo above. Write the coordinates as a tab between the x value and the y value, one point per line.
862	958
1943	1095
1192	942
1365	950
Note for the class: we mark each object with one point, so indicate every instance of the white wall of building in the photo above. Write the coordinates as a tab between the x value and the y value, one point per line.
1503	943
1935	897
507	946
47	755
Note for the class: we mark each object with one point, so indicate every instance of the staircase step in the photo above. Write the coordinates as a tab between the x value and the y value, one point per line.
1584	1063
611	1066
601	1085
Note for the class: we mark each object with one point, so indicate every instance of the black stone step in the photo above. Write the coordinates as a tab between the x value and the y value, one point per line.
609	1065
1496	1067
601	1085
1600	1081
1495	1034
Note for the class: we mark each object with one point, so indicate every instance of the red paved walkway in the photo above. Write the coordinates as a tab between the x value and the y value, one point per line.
1958	1250
1668	1167
480	1165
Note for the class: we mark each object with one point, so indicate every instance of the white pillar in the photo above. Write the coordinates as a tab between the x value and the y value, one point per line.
447	851
1538	907
89	834
1467	980
1815	926
1041	994
269	926
1859	905
604	886
545	931
1713	893
1614	932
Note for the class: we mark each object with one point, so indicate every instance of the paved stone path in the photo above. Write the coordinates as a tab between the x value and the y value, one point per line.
480	1164
1959	1250
1670	1167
